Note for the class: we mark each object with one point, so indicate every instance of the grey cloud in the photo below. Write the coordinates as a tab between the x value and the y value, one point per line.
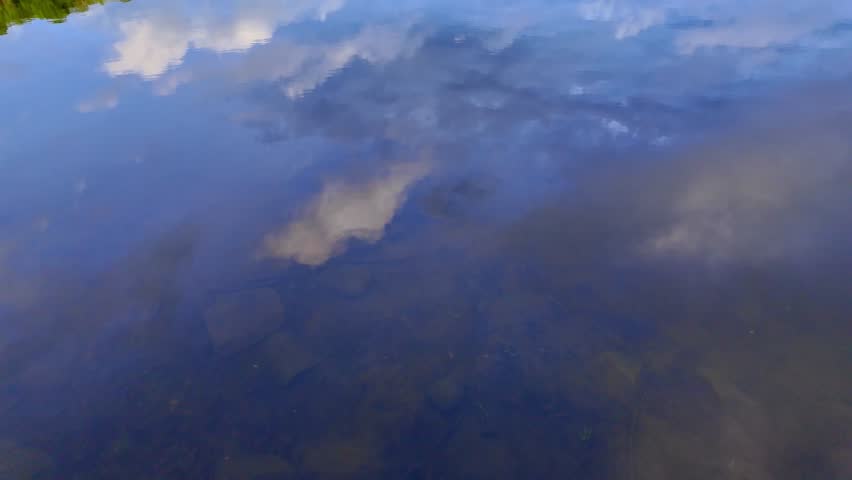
771	188
764	24
727	23
448	92
747	200
300	68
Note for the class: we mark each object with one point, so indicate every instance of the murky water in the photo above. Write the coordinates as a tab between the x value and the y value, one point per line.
350	239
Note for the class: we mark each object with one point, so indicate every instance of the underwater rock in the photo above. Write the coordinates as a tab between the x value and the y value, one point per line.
474	455
617	374
347	280
680	397
287	356
842	458
19	463
679	427
446	393
341	457
253	467
455	198
238	320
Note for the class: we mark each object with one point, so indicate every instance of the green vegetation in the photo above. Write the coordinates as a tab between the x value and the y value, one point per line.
16	12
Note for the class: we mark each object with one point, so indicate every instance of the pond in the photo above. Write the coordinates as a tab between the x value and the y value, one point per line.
372	239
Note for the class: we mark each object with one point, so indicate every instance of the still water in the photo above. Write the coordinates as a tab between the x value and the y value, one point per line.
374	239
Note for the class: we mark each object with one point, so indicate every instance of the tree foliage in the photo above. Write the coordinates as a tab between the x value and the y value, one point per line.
15	12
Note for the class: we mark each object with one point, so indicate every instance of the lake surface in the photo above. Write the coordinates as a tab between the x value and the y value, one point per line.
372	239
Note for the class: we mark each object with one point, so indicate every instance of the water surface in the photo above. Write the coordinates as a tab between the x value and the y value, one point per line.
351	239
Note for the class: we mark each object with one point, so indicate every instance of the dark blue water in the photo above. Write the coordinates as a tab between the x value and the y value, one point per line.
350	239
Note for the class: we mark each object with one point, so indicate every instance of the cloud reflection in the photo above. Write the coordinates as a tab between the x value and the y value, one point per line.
302	67
629	18
753	198
764	191
151	45
105	100
528	276
719	23
344	211
763	24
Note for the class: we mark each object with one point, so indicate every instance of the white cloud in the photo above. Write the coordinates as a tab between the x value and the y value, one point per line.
507	26
151	45
342	212
628	18
735	24
615	127
301	68
148	49
105	100
168	84
757	30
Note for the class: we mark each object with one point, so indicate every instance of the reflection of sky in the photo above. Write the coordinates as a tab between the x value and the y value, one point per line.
171	112
167	109
165	148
